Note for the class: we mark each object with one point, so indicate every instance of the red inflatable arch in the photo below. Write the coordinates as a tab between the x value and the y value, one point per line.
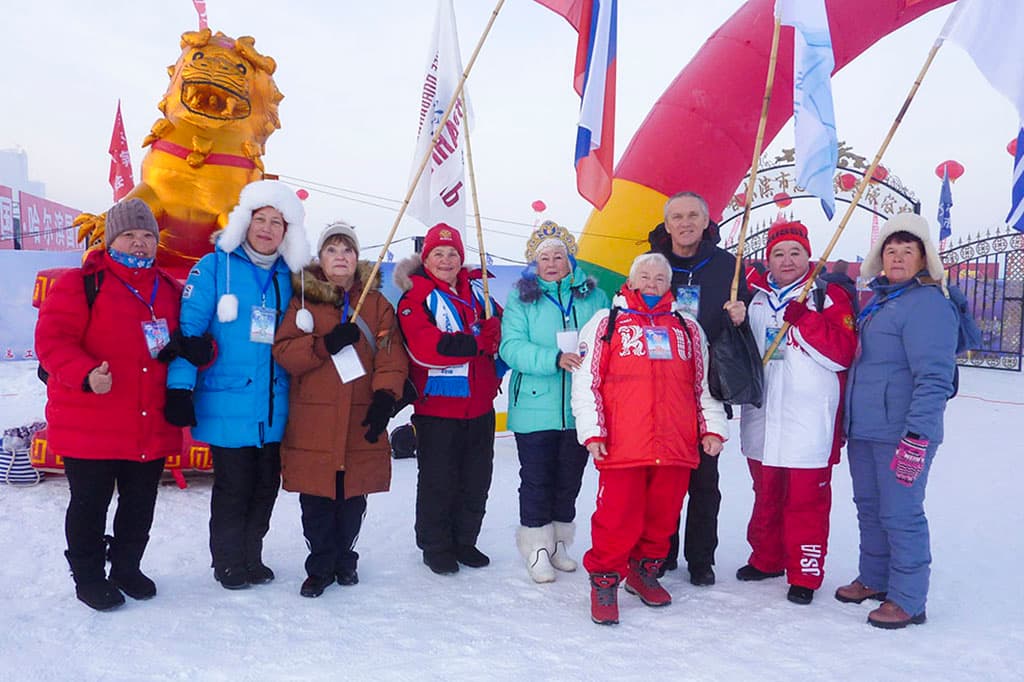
699	136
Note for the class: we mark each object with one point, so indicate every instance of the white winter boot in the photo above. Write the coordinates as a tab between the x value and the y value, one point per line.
536	545
564	534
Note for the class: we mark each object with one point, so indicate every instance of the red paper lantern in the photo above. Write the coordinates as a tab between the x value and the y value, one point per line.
847	181
538	206
880	174
1012	147
954	168
782	200
302	194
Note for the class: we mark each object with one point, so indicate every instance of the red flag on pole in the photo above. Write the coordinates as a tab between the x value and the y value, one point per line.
201	11
121	180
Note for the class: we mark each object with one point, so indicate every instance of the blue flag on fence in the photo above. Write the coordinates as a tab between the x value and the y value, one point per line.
1016	217
945	204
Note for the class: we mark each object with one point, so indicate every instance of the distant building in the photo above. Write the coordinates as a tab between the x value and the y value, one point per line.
14	173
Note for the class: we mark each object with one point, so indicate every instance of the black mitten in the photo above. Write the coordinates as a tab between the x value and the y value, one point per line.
377	417
178	408
343	334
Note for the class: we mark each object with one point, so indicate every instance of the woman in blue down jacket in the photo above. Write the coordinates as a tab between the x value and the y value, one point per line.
239	403
898	385
548	305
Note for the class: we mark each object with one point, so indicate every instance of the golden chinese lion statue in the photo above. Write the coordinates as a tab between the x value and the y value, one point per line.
219	110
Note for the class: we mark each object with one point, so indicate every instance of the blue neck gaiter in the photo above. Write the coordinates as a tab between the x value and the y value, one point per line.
130	261
651	300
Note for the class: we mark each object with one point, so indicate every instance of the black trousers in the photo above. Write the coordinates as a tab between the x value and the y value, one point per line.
551	465
705	499
455	459
92	484
331	528
245	485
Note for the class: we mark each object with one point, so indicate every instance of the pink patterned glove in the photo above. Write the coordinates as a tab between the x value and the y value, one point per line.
908	462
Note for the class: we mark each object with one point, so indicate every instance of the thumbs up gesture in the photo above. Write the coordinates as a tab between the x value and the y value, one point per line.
100	380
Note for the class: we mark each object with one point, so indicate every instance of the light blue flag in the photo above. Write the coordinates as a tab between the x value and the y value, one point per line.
817	147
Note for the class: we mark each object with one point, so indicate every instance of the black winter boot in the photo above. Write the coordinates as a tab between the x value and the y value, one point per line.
125	574
91	586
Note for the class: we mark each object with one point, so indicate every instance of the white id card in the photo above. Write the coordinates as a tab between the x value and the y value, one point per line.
688	299
568	341
348	364
261	324
156	334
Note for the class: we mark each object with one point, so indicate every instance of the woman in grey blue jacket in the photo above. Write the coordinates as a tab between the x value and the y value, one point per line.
547	306
898	386
239	403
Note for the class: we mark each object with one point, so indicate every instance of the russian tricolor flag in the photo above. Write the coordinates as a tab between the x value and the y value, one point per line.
595	21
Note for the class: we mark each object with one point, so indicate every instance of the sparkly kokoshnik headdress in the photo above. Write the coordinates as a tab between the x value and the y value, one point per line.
549	230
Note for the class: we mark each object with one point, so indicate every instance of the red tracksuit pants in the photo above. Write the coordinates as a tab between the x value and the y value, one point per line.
788	529
637	509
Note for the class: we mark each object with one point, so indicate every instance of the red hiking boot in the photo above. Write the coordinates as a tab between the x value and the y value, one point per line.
604	598
643	582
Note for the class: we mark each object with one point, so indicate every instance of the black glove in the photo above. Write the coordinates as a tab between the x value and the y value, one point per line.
377	416
196	349
343	334
178	408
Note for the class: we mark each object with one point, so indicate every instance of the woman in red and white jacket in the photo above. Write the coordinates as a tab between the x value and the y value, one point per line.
793	440
642	406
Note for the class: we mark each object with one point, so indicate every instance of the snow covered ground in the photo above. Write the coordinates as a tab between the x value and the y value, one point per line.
404	623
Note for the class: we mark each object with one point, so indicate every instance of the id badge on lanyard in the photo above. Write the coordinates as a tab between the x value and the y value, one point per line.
688	299
261	324
156	334
659	343
769	338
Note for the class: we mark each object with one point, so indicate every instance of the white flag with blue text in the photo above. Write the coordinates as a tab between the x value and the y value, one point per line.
817	147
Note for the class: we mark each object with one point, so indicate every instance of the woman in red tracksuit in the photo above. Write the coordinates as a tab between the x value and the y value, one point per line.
452	351
105	400
793	440
641	358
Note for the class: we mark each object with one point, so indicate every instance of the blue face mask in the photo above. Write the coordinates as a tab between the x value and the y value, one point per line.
651	299
130	261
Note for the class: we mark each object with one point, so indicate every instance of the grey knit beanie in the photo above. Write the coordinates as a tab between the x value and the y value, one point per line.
133	214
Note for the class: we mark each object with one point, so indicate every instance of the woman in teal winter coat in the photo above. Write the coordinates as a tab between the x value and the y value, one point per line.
549	304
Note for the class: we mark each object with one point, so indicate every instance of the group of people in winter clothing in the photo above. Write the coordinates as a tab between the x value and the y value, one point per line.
291	370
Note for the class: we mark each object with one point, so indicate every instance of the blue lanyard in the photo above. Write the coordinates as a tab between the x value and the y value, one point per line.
690	272
266	283
567	310
650	316
875	303
344	314
135	292
781	293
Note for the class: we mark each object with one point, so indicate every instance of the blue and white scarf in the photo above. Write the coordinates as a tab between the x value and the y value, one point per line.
452	381
130	261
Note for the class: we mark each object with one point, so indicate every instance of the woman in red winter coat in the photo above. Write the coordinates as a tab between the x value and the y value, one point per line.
641	358
452	349
105	399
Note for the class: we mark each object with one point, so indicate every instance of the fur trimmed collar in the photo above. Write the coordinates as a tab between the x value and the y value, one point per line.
319	290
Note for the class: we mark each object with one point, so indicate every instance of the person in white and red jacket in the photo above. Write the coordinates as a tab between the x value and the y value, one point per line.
792	441
641	358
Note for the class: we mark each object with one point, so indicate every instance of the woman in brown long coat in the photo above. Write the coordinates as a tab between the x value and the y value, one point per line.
335	449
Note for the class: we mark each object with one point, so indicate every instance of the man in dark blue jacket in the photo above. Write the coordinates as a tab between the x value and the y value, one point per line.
701	279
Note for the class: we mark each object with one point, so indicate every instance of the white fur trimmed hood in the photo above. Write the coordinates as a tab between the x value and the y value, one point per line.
294	248
915	225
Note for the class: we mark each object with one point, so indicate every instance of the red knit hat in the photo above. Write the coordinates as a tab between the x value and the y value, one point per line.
443	234
788	232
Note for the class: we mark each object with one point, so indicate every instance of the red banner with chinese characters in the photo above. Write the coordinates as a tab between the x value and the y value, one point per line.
6	218
46	225
121	180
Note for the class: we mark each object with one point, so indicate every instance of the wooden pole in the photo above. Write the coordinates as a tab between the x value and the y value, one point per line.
857	197
426	158
758	144
476	216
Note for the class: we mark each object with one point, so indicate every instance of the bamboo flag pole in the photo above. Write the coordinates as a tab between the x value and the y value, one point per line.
868	175
426	157
476	216
758	143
